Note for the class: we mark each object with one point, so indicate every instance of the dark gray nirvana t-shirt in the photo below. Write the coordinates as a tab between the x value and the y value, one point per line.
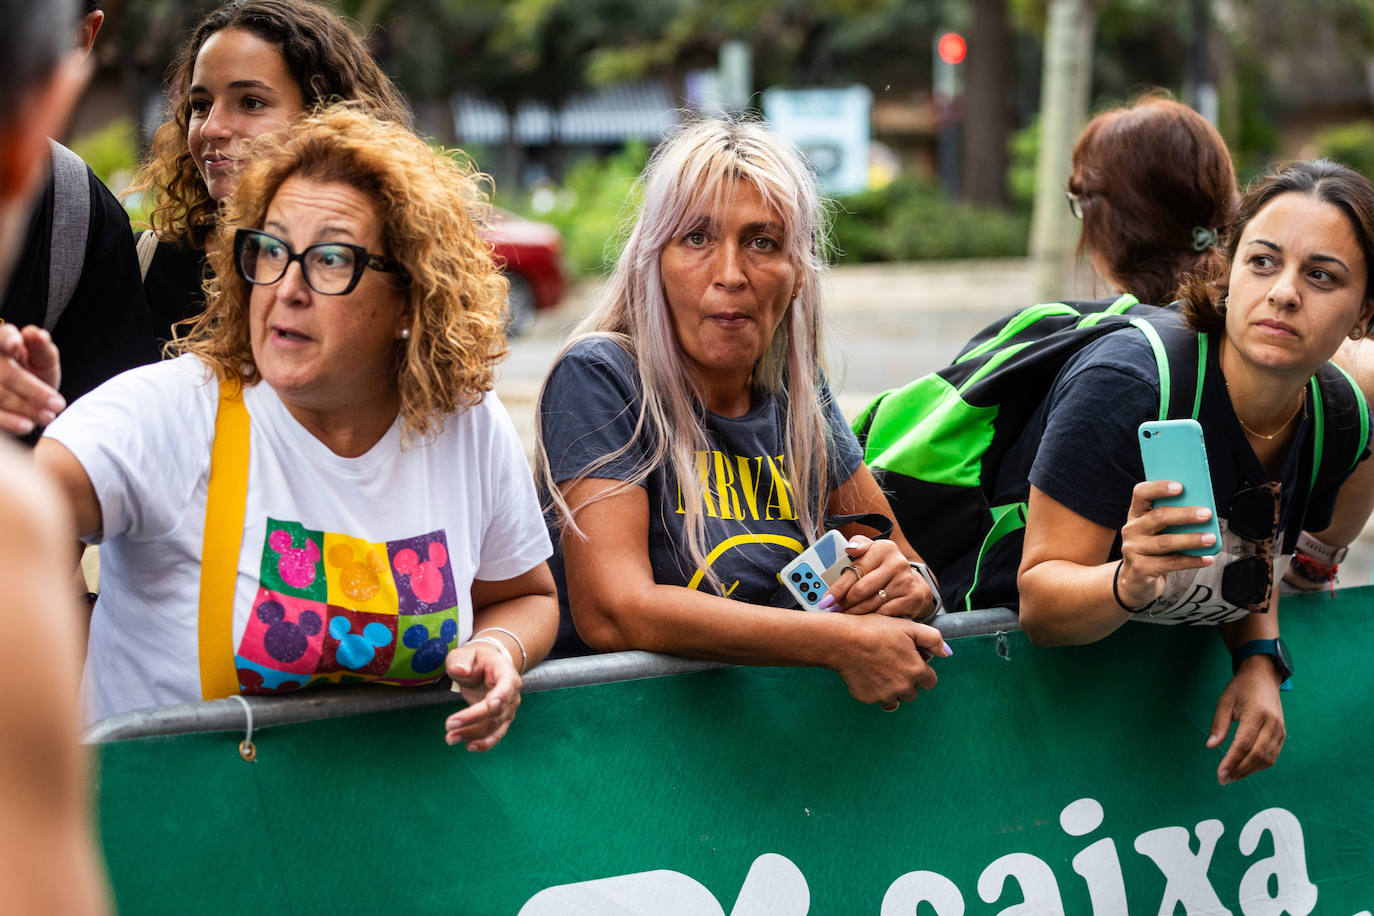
749	502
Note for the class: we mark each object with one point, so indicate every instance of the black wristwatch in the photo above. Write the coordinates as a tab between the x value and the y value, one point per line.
1276	649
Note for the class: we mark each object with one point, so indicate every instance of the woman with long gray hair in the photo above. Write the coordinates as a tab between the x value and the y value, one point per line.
689	446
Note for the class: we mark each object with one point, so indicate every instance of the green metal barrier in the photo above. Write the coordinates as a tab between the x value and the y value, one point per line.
1062	781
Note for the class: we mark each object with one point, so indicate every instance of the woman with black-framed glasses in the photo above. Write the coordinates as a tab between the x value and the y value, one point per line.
385	526
1294	278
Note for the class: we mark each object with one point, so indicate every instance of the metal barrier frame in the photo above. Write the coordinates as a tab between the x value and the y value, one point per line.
309	705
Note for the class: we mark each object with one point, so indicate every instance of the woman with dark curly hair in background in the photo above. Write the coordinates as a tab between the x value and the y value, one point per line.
251	67
385	525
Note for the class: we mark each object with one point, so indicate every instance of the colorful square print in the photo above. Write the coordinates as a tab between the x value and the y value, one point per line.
359	575
284	633
255	678
291	556
359	642
424	644
423	573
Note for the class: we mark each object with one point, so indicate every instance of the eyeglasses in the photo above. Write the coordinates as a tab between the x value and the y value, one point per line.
329	268
1248	581
1075	204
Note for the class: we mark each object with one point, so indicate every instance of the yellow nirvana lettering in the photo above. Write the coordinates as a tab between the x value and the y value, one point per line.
741	487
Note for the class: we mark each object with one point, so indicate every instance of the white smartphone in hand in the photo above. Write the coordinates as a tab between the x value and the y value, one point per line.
815	569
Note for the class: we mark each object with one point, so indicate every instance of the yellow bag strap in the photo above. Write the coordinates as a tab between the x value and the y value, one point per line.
219	553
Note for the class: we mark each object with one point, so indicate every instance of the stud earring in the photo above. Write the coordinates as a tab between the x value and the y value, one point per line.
1221	306
1356	334
405	333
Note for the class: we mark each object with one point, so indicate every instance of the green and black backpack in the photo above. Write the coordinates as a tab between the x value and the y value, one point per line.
935	443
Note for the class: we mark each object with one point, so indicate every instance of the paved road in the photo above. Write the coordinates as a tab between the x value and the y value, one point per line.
889	323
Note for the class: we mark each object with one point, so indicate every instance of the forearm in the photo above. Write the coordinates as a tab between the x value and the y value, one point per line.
521	614
1068	603
1252	626
683	621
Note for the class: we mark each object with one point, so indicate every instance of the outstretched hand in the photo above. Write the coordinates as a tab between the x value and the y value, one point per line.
491	685
1252	701
29	375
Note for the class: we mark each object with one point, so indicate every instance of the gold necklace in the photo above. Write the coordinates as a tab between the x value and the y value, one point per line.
1302	399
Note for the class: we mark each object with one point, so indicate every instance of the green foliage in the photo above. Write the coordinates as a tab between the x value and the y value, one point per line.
1024	147
910	221
111	152
593	209
1349	144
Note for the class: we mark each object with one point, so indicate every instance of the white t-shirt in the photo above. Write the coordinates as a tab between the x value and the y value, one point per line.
351	569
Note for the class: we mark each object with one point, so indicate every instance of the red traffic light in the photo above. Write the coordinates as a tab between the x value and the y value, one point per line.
952	48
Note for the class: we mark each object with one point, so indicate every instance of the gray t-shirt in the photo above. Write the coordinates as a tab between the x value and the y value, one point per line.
589	410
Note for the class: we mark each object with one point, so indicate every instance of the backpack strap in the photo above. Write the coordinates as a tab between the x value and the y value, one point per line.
1181	360
225	500
71	220
146	248
1333	394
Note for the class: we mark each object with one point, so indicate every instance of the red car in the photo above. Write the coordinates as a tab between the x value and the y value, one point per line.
531	254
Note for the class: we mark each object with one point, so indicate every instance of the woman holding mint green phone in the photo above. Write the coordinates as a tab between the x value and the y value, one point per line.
1291	283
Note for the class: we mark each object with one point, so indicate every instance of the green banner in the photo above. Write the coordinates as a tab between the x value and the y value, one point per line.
1031	781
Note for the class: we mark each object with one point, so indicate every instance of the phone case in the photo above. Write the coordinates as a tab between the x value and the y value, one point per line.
1174	450
815	569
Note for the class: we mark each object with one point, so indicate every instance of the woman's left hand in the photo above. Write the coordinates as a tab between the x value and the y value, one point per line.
491	685
1252	701
888	585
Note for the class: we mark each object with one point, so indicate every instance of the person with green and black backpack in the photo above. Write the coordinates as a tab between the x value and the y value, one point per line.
1151	183
1277	420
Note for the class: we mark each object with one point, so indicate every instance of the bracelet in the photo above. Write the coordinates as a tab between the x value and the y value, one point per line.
524	657
1116	577
493	641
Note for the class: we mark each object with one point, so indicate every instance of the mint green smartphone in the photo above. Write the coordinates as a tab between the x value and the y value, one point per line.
1174	450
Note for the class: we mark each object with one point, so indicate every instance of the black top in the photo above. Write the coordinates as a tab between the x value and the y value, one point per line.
174	286
1081	449
105	328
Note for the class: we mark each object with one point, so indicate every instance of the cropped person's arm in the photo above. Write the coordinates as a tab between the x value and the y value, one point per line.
1070	593
47	860
617	605
519	614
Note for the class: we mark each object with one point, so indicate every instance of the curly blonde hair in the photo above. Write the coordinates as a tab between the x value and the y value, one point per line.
431	208
328	61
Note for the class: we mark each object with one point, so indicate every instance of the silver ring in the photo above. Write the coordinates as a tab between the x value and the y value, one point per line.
892	708
858	573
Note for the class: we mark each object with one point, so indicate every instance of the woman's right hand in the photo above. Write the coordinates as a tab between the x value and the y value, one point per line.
884	658
1147	554
29	376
